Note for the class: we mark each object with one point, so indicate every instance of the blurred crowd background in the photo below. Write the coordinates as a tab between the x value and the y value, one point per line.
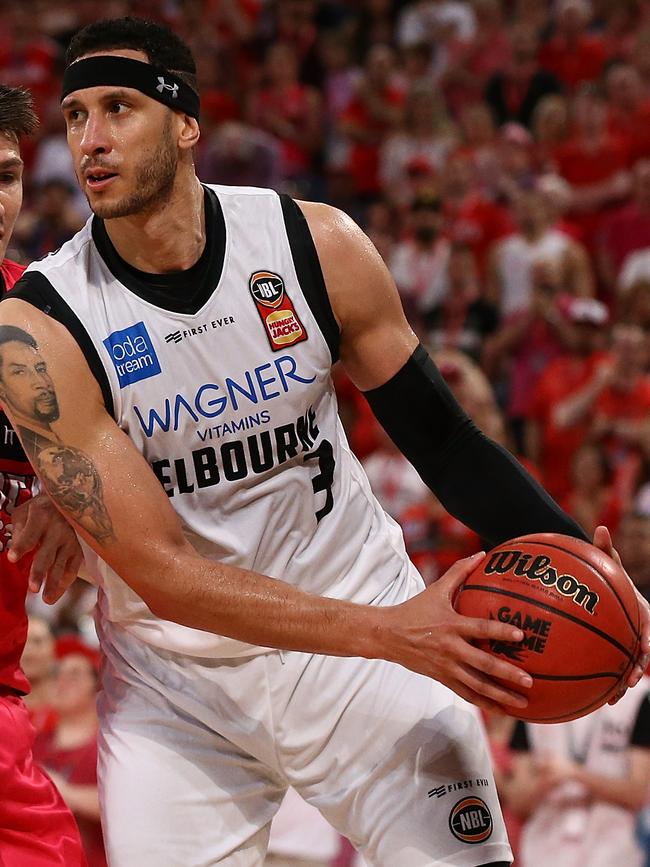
497	152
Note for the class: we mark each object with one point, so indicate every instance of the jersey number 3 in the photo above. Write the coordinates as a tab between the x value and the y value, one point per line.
324	479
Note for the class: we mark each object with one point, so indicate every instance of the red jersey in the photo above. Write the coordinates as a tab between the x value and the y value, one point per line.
16	482
78	766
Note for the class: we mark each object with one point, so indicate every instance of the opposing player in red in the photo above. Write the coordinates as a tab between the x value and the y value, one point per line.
36	828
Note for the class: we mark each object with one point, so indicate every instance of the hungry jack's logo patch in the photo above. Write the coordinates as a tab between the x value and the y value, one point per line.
275	308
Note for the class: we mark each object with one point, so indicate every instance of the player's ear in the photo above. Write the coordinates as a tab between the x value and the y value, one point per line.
189	132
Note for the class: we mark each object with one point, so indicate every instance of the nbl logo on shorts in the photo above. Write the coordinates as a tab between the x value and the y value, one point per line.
132	354
276	310
470	820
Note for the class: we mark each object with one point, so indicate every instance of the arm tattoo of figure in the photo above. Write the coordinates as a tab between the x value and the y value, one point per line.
73	482
69	475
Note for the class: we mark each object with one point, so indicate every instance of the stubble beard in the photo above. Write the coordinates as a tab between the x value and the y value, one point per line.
154	182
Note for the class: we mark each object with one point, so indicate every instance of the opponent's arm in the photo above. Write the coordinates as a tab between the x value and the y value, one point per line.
102	484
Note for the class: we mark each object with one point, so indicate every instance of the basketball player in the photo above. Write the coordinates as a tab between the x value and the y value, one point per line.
188	332
36	829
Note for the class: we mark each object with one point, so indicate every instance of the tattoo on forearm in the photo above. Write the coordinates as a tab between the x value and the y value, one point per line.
73	482
28	394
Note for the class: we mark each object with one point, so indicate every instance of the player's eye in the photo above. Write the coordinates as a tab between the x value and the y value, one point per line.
41	367
118	107
8	178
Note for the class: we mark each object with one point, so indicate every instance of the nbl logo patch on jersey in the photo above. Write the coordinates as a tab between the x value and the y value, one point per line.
470	820
132	354
276	310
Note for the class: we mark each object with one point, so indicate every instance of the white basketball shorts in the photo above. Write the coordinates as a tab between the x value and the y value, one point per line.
196	754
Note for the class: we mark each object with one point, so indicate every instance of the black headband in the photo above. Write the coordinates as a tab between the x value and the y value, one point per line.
111	69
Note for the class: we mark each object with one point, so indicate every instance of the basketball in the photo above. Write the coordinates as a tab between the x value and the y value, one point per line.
579	614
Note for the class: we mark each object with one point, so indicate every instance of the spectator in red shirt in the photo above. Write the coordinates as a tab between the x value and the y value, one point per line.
629	109
374	113
69	752
626	229
572	54
290	111
622	409
592	500
615	405
594	161
470	216
552	438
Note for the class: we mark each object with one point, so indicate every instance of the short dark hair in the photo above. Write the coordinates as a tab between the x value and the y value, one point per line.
17	115
11	334
162	46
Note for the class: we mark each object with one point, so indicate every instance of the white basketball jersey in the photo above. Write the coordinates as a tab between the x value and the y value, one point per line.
231	404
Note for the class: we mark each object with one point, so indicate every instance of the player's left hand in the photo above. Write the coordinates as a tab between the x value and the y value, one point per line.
38	526
603	540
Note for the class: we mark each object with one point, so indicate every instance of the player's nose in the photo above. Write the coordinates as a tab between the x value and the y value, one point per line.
96	138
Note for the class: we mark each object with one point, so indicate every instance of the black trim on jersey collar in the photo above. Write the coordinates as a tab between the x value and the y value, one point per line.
3	285
181	291
310	274
34	288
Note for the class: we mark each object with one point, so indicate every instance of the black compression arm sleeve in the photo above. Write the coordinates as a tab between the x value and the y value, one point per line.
475	479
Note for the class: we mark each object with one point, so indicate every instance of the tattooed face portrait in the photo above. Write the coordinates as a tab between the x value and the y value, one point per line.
25	385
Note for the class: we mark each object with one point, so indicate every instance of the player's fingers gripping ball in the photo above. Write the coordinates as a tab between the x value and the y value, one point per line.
579	614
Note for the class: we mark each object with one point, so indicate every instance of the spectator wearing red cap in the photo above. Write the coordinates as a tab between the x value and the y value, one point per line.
69	751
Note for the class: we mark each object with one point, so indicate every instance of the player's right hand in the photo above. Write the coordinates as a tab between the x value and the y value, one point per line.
38	526
427	635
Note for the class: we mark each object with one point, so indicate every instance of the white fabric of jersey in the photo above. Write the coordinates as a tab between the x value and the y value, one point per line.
222	376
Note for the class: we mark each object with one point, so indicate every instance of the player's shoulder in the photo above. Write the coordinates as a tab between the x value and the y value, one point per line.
336	235
67	254
228	192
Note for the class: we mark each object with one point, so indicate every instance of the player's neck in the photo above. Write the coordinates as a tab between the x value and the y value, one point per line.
169	238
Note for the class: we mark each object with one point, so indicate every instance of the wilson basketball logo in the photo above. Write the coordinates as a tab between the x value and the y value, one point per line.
281	322
267	288
470	821
540	569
